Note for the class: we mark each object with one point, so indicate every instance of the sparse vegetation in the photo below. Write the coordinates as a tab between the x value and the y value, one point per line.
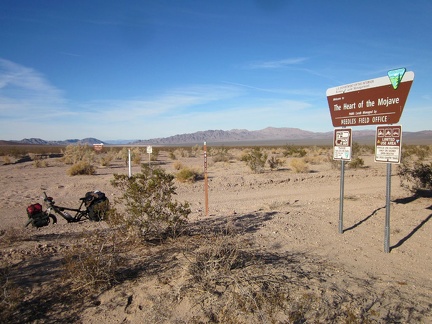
186	174
149	203
275	163
220	154
294	151
81	168
93	265
255	159
417	177
356	162
258	269
299	165
77	153
11	296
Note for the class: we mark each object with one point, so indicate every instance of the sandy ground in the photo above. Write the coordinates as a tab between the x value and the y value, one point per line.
284	212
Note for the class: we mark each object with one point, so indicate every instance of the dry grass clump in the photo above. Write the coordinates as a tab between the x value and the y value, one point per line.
38	162
94	264
178	165
7	159
81	168
11	295
356	163
299	165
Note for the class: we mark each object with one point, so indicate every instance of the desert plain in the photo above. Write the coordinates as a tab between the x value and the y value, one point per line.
280	225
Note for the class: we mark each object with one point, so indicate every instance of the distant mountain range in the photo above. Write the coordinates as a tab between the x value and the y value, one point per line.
38	141
267	136
276	136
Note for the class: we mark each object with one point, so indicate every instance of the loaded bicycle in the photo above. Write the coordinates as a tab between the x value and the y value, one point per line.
94	205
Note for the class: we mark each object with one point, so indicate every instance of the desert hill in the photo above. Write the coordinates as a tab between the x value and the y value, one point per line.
266	136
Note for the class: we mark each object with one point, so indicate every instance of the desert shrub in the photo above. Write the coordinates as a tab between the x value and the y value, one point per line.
415	152
188	175
416	177
123	155
106	159
155	154
314	159
231	284
255	159
81	168
355	163
335	164
220	154
178	165
299	165
149	203
172	155
294	151
7	159
76	153
94	264
274	163
136	156
40	163
194	151
11	296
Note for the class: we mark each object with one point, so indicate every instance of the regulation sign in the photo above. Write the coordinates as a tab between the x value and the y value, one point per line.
370	102
342	140
149	149
388	141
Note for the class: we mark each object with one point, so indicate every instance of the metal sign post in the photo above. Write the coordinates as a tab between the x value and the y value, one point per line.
342	148
205	180
149	151
388	142
387	218
341	197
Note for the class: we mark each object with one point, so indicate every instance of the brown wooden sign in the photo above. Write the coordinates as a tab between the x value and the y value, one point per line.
370	102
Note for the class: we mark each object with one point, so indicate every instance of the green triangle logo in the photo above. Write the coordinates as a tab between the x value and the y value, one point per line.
396	76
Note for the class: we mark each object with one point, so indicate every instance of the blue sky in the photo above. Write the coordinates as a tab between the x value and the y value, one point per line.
147	69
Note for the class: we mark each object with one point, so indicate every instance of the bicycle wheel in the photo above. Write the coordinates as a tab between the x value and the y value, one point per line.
52	218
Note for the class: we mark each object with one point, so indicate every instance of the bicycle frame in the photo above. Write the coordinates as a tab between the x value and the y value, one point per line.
62	211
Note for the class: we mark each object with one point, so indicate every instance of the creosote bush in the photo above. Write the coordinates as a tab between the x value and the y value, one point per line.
275	163
355	163
77	153
186	174
255	159
220	154
416	177
149	204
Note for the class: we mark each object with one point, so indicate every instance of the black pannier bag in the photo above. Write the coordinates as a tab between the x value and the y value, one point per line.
97	205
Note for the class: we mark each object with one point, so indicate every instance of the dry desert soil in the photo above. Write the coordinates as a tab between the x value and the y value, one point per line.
269	250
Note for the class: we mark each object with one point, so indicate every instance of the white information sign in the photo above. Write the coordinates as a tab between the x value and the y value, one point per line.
342	144
149	149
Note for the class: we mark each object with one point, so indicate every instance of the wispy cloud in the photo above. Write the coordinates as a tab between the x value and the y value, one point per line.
24	92
278	64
